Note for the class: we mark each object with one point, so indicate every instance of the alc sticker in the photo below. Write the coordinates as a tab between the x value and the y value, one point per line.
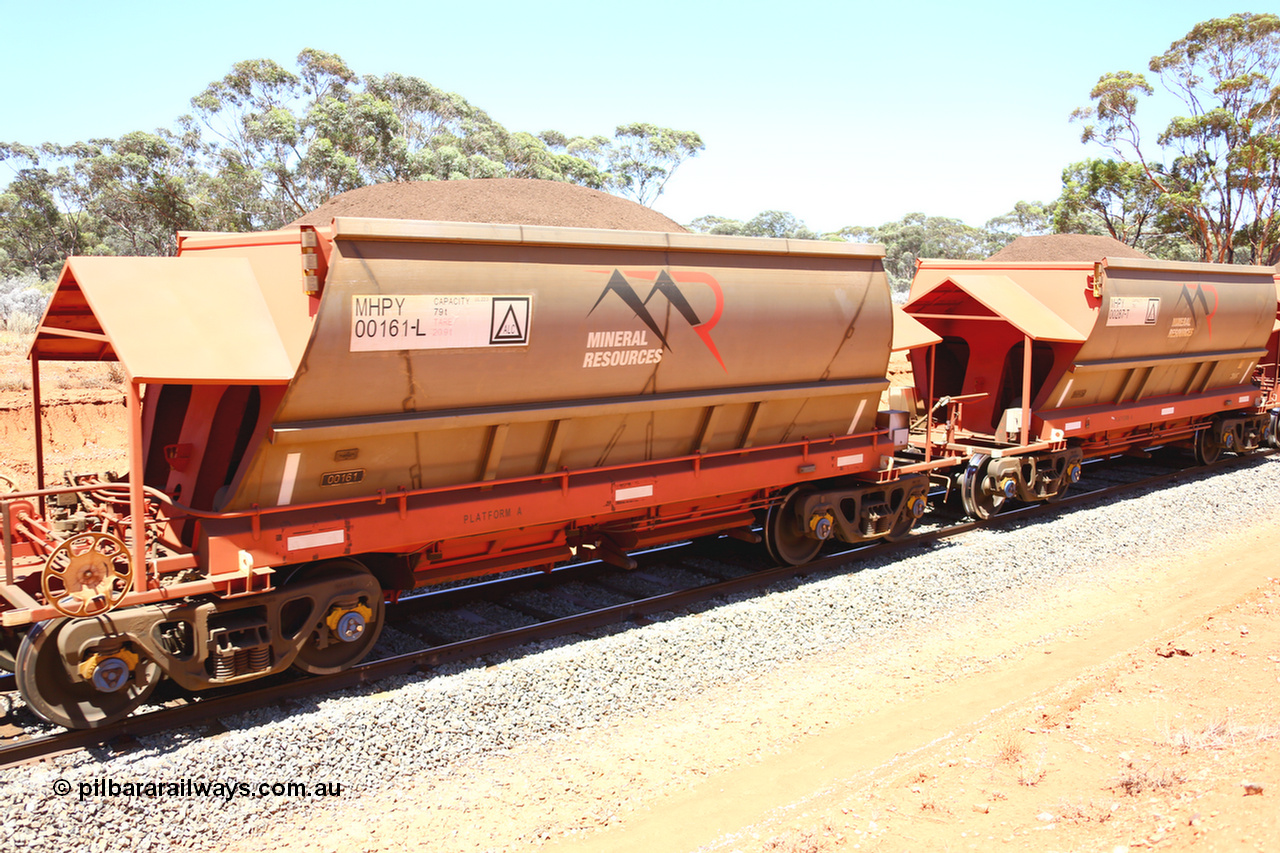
1133	311
381	322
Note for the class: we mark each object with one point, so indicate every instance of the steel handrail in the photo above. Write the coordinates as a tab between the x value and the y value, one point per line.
382	496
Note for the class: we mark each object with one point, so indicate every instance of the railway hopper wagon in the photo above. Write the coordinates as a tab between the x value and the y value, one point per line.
1269	370
323	417
1044	365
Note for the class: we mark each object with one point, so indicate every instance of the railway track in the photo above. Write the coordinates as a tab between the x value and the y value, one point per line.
563	602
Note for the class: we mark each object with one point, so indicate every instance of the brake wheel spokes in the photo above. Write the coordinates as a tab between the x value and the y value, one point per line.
87	575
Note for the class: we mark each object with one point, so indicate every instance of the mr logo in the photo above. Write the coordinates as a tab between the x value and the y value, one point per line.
665	284
1201	295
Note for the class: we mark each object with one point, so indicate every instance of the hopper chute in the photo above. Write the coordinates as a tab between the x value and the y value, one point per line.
909	333
194	320
995	296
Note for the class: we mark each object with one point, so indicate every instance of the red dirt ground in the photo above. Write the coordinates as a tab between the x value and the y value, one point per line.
85	429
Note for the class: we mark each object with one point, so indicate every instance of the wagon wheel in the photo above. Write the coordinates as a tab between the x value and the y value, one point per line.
1209	446
347	629
1064	483
1069	477
977	501
87	575
116	683
913	508
10	640
785	537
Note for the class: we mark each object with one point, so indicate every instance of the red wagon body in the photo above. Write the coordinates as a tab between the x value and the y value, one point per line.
321	417
1042	365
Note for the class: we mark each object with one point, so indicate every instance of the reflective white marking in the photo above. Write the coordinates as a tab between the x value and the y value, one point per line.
1064	393
845	461
316	540
857	416
1167	410
288	478
633	493
1073	425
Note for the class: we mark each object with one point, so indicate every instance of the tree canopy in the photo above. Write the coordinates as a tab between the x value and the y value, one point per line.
917	236
769	223
265	144
1212	174
914	236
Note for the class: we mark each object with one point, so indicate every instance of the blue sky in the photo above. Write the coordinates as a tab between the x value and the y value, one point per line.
841	113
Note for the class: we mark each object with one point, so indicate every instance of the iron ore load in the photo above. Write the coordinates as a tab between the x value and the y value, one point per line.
1043	364
322	417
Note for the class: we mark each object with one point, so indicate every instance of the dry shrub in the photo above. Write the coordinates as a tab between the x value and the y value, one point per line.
1083	812
930	806
1221	733
13	342
1009	748
1134	780
14	383
1030	775
93	375
806	841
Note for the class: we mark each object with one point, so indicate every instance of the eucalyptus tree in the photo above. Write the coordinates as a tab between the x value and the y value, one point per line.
1109	197
917	236
139	189
646	156
38	227
768	223
712	224
264	120
1118	200
1217	167
265	144
582	160
1028	218
307	136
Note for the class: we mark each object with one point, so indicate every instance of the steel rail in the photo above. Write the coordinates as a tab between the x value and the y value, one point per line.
208	707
